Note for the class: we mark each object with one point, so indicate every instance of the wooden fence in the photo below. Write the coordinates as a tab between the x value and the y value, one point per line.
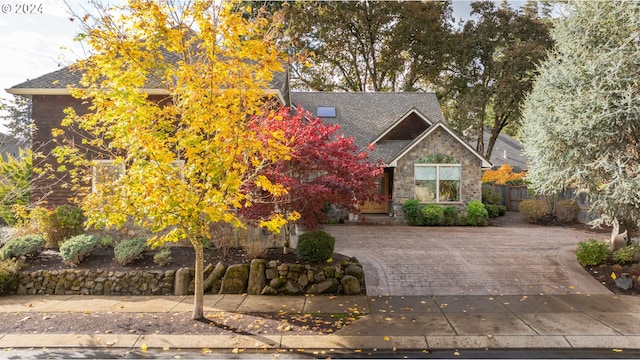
512	195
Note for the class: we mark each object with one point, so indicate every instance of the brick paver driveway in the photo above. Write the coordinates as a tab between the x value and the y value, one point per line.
518	259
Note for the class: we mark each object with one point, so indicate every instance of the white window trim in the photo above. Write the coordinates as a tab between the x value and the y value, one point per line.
98	163
179	164
437	194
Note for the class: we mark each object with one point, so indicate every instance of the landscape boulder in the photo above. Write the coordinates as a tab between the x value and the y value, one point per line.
235	280
257	277
350	285
182	280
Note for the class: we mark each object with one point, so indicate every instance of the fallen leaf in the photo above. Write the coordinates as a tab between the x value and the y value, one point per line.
386	338
144	347
617	350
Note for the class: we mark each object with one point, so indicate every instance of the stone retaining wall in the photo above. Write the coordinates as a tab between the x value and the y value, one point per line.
259	277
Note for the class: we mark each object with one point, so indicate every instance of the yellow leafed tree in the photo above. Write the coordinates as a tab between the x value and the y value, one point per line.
502	175
184	150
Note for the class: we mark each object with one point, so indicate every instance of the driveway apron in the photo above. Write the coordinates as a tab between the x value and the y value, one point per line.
522	260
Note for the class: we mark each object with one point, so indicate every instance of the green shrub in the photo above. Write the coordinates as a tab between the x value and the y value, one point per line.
491	197
106	242
477	214
163	257
592	252
502	210
492	210
626	254
28	245
450	215
432	214
411	209
75	249
129	250
315	246
532	210
9	276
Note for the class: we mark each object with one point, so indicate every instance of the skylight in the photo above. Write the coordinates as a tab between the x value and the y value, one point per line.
326	111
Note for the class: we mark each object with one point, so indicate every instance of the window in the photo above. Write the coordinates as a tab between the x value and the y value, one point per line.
105	172
437	179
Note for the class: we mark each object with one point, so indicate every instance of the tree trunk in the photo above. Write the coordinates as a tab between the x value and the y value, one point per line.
198	296
629	227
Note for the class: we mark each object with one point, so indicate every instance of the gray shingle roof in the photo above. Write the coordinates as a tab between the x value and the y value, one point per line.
507	150
386	150
58	79
367	115
62	78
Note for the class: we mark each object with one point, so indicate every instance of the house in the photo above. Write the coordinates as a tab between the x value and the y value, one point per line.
50	97
507	150
423	157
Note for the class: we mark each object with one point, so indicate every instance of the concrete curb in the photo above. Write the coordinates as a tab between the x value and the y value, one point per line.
317	343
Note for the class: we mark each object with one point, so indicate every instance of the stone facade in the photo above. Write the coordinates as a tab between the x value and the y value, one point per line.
438	142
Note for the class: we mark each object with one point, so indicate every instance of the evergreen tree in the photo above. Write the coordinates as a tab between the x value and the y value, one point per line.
582	119
17	117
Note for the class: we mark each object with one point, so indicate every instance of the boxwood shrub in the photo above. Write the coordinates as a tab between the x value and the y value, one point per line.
450	215
129	250
432	214
476	213
411	209
315	246
75	249
28	245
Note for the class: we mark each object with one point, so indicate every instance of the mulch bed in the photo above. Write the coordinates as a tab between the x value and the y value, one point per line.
602	273
181	257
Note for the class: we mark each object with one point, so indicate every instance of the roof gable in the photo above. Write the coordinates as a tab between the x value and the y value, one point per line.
485	163
407	127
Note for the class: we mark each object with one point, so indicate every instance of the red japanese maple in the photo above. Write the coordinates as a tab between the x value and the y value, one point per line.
325	168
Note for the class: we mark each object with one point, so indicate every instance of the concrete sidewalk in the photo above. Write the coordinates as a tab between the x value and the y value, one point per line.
391	323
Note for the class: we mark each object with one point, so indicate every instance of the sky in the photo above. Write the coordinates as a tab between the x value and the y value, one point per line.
36	37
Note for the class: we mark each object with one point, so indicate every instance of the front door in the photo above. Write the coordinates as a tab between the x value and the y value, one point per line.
382	187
